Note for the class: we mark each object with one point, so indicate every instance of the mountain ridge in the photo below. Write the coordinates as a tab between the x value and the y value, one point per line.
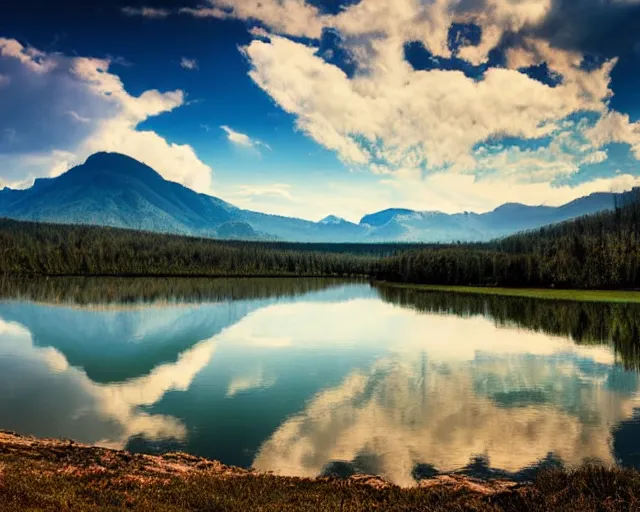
116	190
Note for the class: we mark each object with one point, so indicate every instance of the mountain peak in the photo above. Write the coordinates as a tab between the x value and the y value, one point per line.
507	207
382	217
107	156
105	163
332	219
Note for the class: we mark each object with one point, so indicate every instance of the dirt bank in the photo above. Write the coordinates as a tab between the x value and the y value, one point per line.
44	474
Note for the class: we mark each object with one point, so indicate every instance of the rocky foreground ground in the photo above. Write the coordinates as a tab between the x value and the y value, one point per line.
45	474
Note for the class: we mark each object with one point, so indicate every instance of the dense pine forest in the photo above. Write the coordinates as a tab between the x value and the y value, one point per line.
48	249
597	251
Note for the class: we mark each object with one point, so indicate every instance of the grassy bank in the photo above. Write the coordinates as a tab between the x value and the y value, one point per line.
619	296
62	475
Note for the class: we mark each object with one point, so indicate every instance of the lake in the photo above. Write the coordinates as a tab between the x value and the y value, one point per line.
311	377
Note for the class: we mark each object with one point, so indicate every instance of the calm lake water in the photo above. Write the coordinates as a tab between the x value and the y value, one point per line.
311	377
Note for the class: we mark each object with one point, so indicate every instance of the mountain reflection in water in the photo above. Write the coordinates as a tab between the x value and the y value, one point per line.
305	377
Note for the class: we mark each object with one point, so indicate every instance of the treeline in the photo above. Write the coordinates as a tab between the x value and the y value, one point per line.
597	251
28	248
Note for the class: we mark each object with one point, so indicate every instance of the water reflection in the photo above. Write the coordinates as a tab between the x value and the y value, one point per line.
455	390
312	377
93	373
45	396
586	323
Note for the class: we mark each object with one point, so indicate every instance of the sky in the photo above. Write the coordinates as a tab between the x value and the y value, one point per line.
314	107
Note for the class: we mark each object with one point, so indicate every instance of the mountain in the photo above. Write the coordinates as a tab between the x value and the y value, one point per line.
114	190
111	189
471	227
385	216
332	219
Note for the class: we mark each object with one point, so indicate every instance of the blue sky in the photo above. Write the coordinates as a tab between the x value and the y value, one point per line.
330	107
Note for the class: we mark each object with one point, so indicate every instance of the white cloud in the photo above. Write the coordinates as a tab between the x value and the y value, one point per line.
77	117
259	32
34	59
243	140
407	117
146	12
391	118
309	200
453	193
190	64
596	157
616	127
442	191
294	17
238	138
106	116
276	190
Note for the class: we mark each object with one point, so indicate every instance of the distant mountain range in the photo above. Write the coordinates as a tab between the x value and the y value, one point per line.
111	189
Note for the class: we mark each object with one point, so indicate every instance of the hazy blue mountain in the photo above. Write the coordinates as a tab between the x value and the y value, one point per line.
334	220
114	190
509	218
385	216
111	189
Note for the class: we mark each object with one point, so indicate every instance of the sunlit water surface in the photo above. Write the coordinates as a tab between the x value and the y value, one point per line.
335	379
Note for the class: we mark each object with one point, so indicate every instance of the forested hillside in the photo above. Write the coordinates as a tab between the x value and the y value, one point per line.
28	248
597	251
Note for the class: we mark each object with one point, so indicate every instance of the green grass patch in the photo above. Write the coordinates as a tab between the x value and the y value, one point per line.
534	293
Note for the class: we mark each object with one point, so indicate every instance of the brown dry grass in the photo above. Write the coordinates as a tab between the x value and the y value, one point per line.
65	476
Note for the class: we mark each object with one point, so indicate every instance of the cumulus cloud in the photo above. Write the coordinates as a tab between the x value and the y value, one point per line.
294	17
190	64
146	12
243	140
61	109
405	117
389	116
616	127
33	58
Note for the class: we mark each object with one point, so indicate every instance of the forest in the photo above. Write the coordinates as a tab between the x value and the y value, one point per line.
591	252
594	252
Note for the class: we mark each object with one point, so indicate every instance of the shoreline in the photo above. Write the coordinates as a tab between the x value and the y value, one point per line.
49	474
566	294
80	457
612	296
